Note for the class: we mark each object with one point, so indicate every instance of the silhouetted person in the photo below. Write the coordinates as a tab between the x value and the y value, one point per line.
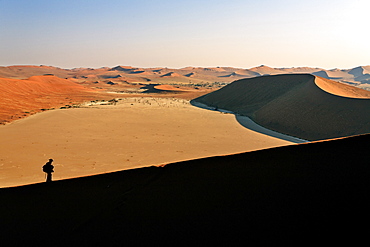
48	169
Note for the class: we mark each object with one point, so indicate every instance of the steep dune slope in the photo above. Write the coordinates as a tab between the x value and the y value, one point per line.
341	89
315	192
300	105
21	97
26	71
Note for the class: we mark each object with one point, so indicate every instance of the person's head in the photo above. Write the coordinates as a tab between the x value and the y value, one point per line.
50	160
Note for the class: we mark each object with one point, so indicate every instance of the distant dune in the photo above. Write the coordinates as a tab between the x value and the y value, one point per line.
308	193
19	98
358	76
300	105
168	88
192	74
263	69
247	72
123	68
24	72
234	74
171	74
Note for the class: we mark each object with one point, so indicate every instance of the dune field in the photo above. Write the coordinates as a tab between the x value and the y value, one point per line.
201	77
177	164
161	126
135	132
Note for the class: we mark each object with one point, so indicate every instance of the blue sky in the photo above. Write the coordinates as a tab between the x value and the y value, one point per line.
163	33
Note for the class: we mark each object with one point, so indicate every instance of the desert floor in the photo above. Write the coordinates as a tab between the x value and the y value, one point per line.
136	132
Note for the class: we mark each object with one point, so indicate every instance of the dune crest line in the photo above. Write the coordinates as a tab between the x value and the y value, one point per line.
300	105
136	132
250	124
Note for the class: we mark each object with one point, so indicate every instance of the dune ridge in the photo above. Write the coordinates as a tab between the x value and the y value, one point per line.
19	98
300	105
266	197
341	89
99	137
358	76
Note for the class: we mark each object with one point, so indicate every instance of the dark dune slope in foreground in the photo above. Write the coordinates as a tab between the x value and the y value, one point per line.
308	193
300	105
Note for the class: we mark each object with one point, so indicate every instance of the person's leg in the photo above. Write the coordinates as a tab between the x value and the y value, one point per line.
48	178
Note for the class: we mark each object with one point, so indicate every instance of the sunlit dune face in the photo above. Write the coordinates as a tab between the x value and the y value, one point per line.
135	132
340	89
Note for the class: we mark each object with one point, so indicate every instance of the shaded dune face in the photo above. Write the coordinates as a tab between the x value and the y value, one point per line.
300	105
261	198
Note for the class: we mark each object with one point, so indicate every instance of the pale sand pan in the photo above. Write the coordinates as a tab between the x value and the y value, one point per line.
136	132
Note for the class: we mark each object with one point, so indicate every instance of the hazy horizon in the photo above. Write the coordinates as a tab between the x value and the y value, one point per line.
175	34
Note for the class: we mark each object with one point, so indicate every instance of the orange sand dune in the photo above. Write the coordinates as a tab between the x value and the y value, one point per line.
338	73
191	74
233	74
341	89
19	98
335	74
300	70
263	69
169	88
247	72
171	74
366	69
123	68
134	132
358	76
300	105
308	193
23	72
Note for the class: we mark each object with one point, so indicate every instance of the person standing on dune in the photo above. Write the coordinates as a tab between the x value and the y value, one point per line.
48	169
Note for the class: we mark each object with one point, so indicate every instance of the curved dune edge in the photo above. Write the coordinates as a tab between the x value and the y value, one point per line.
169	88
341	89
251	125
313	192
23	97
299	105
136	132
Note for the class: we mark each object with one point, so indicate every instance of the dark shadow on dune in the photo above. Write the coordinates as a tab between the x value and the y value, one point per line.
137	72
110	76
293	195
120	68
151	89
192	74
295	105
248	123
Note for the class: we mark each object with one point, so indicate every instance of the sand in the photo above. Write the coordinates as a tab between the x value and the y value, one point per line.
123	75
251	125
136	132
312	193
20	98
341	89
300	105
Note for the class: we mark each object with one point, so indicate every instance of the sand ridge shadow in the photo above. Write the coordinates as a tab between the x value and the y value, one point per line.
301	105
312	193
248	123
